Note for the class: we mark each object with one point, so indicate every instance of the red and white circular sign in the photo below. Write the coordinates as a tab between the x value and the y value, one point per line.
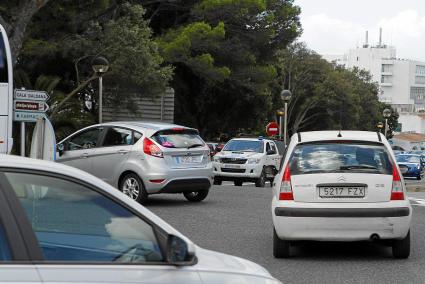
272	129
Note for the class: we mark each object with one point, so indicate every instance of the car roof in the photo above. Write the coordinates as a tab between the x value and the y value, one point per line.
312	136
153	125
17	162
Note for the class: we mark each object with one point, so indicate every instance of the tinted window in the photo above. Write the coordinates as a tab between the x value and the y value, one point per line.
85	140
75	223
4	246
340	157
118	136
408	159
3	61
176	138
245	146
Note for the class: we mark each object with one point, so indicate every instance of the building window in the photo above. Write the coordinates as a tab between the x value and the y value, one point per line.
420	80
417	94
386	79
420	70
387	68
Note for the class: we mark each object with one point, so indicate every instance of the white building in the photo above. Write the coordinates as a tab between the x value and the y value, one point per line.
401	82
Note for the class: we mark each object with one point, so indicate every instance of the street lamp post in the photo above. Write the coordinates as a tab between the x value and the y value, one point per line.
285	95
387	114
100	66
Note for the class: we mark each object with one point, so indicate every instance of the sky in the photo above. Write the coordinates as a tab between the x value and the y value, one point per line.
335	26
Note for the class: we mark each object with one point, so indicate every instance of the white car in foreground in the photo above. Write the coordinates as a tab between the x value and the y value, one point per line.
61	225
340	186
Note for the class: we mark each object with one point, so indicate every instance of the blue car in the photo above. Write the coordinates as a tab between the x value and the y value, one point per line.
411	165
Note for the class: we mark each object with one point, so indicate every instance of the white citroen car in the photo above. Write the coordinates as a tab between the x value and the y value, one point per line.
59	224
340	186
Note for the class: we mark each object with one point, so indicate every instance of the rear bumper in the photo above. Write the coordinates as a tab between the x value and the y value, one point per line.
342	212
186	185
341	222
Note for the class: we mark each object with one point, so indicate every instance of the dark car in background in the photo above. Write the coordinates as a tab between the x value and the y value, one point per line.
411	165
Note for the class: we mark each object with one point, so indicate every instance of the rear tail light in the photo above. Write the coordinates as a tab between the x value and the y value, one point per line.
397	190
285	186
150	148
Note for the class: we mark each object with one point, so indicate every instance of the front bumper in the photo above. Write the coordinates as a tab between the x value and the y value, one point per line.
353	222
242	172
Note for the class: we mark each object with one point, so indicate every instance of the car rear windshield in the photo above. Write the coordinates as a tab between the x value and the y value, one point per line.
244	146
337	157
408	159
178	138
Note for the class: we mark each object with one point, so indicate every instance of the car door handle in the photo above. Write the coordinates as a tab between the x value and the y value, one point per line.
122	152
84	156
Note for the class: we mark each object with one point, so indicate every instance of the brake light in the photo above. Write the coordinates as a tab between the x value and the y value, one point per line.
150	148
285	186
397	192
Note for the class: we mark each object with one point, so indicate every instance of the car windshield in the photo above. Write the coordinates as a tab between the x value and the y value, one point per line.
178	138
331	157
408	159
245	146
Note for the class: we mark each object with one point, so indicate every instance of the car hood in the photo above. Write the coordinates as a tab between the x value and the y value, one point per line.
215	262
408	164
230	154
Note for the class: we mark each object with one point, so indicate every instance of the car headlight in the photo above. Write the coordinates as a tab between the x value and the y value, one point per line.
253	161
419	167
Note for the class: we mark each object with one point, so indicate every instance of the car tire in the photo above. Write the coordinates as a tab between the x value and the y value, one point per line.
419	177
401	248
281	248
261	181
196	196
132	186
217	181
238	183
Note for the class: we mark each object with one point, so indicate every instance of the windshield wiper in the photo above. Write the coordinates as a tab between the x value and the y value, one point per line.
195	145
367	167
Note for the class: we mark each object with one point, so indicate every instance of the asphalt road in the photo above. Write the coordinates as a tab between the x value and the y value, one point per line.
237	221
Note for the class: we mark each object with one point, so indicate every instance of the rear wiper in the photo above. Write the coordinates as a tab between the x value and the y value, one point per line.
368	167
195	145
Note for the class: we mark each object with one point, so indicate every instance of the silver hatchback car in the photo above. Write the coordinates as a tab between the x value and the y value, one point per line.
142	158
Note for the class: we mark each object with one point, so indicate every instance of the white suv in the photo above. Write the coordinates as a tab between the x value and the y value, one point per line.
340	186
247	160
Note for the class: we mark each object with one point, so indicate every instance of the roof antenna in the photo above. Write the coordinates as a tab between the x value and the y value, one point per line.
339	134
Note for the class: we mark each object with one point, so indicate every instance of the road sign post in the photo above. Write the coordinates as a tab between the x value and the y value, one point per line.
272	129
28	106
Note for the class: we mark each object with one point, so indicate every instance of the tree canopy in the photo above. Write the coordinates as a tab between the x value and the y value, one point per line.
227	60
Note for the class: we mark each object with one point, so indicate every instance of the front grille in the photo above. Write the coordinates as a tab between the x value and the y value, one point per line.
225	170
233	161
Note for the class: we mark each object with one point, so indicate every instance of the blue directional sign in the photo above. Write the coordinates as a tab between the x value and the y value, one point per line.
26	116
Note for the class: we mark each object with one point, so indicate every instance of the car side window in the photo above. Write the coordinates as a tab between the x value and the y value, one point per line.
137	136
74	223
116	136
85	140
273	147
268	148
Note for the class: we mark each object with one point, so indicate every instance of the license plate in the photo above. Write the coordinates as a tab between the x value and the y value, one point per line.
190	159
232	166
404	170
342	192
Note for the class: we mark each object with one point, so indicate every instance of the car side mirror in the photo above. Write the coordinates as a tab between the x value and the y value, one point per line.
271	152
178	252
60	148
